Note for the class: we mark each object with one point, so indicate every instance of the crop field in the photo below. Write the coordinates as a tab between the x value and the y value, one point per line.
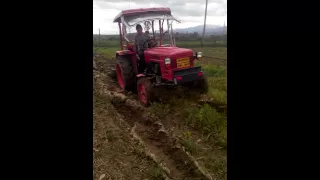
182	135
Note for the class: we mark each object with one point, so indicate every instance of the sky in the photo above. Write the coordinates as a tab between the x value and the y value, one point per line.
190	12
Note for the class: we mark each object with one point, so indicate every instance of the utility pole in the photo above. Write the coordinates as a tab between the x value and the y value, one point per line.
204	25
224	25
223	33
187	37
99	37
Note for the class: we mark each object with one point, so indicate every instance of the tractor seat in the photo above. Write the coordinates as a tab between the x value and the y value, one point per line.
133	48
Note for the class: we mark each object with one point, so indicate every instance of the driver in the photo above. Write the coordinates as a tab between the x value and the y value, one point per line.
140	40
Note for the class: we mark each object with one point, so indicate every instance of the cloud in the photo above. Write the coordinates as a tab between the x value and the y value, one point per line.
190	12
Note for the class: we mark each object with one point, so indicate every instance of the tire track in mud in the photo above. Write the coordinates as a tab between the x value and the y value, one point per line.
155	142
163	147
162	144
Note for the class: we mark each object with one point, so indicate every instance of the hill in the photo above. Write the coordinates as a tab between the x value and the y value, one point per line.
210	29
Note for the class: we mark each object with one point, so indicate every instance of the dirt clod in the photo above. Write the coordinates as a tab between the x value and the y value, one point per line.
102	176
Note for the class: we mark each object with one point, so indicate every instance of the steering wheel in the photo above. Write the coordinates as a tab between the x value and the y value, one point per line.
151	42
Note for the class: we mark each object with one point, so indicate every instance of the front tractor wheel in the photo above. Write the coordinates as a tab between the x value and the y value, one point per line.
145	91
202	85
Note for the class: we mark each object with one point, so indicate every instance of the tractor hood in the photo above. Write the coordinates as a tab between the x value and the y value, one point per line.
169	51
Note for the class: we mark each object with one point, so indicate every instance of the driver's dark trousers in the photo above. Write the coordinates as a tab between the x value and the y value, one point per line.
141	62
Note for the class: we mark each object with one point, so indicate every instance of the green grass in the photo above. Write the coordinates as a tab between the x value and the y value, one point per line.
193	44
212	70
156	173
188	143
205	118
216	74
217	81
210	122
219	52
218	90
109	52
106	43
161	110
218	166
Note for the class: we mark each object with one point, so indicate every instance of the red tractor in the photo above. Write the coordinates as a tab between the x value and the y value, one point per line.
163	64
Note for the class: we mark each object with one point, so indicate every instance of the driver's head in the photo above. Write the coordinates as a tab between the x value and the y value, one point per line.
139	29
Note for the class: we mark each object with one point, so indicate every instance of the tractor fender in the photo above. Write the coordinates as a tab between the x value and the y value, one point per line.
123	53
130	56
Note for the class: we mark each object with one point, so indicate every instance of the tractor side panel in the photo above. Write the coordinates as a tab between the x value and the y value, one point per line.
148	58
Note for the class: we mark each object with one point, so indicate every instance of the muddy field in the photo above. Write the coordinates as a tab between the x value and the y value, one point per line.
134	142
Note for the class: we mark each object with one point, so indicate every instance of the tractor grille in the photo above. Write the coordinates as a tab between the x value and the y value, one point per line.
188	75
184	72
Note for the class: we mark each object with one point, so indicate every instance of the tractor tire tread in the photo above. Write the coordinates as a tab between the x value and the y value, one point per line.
127	73
148	89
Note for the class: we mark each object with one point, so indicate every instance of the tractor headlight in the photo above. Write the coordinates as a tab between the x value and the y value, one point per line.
167	61
199	55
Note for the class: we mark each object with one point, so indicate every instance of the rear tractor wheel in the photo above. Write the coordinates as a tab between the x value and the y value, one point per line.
145	91
125	74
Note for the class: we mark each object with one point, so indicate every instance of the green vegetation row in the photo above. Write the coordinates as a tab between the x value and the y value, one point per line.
185	44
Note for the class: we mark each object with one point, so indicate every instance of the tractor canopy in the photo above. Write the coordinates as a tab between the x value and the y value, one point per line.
134	16
149	17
